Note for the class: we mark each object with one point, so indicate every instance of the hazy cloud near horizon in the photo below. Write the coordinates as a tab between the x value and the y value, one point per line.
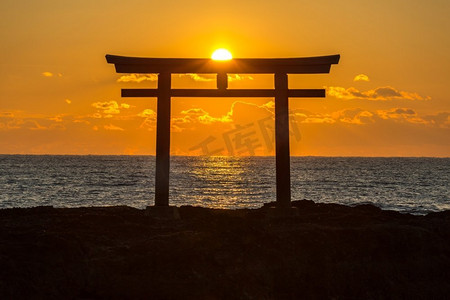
386	93
361	77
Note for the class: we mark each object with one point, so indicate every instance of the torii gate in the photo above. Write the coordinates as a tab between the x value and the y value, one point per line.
280	67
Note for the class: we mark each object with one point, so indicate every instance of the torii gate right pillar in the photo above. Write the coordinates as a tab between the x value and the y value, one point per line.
283	166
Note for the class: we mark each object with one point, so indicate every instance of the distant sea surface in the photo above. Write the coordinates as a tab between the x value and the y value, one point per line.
413	185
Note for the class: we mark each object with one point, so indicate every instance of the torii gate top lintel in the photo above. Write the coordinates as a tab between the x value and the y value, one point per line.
280	67
300	65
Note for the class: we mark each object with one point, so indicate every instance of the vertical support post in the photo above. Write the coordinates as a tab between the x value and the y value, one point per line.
163	140
222	81
283	168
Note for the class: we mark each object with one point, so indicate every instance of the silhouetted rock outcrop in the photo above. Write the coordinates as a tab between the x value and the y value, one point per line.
325	251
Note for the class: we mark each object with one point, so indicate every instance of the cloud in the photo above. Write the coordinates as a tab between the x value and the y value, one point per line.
47	74
408	115
379	94
269	105
147	113
6	114
24	121
149	122
9	121
238	113
266	107
32	125
57	118
396	113
355	116
138	78
86	122
242	112
198	115
318	120
306	117
359	116
237	77
361	77
110	107
198	77
441	119
57	126
113	127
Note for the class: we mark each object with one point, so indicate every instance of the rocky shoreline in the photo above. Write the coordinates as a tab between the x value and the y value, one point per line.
325	251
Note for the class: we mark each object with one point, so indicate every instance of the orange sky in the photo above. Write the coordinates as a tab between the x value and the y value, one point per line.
387	97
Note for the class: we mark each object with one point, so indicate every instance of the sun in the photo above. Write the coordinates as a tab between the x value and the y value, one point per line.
221	54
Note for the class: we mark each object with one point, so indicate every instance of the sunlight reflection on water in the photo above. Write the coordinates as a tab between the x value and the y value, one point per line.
416	185
222	182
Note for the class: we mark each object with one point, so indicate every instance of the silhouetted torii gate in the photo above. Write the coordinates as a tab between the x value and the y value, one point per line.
280	67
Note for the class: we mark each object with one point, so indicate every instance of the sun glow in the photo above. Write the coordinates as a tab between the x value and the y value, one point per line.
221	54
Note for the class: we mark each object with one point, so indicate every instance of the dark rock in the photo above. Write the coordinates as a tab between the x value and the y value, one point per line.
326	251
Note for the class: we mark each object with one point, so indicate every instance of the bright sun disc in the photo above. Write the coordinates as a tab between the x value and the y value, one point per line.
221	54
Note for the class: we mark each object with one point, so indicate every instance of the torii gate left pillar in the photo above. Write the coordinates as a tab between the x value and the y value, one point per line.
279	67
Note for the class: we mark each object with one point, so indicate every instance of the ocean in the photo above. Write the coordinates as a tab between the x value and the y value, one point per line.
412	185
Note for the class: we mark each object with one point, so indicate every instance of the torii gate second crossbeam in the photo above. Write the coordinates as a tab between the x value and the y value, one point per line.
280	67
